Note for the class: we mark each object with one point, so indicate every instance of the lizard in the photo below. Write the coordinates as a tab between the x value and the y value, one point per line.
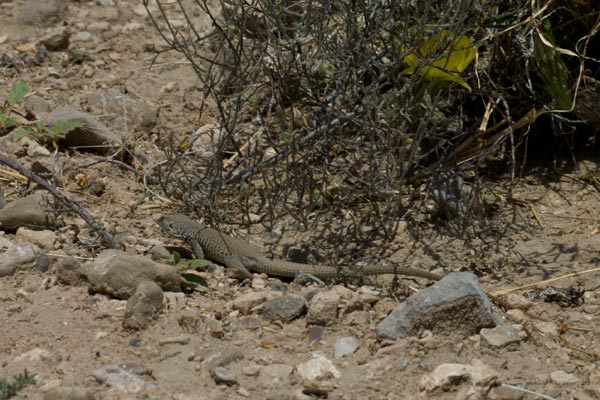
242	257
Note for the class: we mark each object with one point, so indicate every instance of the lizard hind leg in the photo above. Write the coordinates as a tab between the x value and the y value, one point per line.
236	264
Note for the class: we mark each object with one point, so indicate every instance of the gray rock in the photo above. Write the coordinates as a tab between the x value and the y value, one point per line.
69	272
143	306
446	377
220	357
401	364
563	378
323	308
44	239
35	12
500	336
345	346
57	41
82	36
284	308
92	134
189	321
27	211
224	376
118	274
23	256
36	105
456	305
68	393
317	369
120	379
124	112
276	375
249	300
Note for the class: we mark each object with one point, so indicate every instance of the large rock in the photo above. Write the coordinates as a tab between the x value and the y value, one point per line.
456	305
124	113
46	12
118	274
93	135
28	212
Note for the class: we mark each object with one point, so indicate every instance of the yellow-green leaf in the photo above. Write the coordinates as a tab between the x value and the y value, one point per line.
450	57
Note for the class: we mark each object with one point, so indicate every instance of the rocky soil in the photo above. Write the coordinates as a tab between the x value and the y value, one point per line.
109	324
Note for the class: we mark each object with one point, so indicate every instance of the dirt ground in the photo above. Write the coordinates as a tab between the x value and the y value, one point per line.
63	333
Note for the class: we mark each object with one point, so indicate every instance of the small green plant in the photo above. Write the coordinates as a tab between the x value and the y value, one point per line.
8	390
16	95
49	134
187	269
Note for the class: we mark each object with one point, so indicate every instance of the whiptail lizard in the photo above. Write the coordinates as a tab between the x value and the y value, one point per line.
242	257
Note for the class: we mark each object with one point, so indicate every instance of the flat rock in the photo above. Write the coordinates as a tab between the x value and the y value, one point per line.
118	274
120	379
249	300
456	305
68	393
43	239
26	212
563	378
220	356
500	336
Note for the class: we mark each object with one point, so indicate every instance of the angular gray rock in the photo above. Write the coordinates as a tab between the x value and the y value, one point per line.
456	305
118	274
499	336
285	308
143	306
23	256
345	346
224	376
323	308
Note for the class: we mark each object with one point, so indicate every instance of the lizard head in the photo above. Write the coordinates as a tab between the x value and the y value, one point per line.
174	224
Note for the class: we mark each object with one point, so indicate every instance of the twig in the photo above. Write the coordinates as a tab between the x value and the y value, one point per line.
520	389
72	204
501	292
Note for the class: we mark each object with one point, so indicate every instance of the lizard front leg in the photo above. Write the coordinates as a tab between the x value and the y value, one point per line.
236	264
197	249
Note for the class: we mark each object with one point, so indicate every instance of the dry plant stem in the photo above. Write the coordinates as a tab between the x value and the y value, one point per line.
535	284
72	204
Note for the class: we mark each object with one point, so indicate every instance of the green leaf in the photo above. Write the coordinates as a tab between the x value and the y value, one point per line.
198	264
17	93
193	279
7	122
451	57
21	133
